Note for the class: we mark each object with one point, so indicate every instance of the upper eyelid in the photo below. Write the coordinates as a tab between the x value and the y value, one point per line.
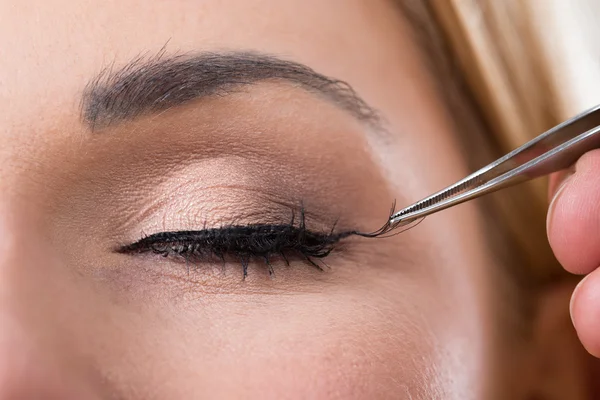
190	206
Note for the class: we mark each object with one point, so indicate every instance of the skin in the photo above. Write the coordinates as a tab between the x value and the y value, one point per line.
414	316
574	233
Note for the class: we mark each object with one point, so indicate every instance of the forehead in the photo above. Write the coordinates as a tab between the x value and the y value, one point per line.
51	49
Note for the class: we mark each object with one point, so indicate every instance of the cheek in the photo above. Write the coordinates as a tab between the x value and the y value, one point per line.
373	340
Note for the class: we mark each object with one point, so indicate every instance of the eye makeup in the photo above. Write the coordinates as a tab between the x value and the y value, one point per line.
244	243
251	242
213	187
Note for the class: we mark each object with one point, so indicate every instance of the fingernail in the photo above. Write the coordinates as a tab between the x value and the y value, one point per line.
557	194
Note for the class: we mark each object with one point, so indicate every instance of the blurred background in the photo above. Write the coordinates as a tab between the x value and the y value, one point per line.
569	32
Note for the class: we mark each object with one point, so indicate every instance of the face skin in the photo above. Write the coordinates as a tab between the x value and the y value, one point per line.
405	317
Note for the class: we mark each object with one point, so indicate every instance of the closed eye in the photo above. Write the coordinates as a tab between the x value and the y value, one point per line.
244	243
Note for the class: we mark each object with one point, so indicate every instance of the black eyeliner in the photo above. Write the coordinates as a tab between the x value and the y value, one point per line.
244	243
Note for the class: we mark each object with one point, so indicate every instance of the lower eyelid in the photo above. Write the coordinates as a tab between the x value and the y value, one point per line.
240	264
174	281
153	273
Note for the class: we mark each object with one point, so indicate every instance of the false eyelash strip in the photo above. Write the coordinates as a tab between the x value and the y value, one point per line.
254	241
387	227
247	242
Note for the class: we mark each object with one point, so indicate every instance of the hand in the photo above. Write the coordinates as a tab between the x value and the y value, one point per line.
574	233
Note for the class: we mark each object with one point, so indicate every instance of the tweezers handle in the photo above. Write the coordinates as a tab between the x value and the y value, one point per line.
554	150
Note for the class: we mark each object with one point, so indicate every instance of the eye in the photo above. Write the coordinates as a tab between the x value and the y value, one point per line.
265	243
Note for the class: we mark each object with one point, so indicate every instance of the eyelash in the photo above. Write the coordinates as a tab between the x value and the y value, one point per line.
244	243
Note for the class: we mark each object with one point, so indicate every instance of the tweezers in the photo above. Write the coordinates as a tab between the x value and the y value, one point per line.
554	150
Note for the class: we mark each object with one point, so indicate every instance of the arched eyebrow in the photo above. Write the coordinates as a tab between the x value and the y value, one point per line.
146	86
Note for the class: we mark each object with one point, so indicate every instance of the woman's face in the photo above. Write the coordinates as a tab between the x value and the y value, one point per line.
106	139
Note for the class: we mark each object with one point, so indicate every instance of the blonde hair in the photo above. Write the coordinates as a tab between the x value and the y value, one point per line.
492	67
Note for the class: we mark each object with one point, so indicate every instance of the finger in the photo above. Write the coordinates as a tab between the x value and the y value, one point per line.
557	180
574	217
585	312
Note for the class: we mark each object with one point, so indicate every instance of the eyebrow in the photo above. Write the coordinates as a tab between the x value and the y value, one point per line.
151	85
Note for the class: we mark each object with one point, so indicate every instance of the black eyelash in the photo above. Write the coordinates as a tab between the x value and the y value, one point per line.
245	242
254	241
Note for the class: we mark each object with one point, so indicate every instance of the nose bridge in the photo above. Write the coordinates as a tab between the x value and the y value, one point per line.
29	362
14	245
19	241
20	355
19	284
28	270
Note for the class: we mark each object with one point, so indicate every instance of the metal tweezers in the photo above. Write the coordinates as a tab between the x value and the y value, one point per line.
554	150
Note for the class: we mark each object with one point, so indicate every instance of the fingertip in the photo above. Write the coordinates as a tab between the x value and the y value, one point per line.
574	217
585	312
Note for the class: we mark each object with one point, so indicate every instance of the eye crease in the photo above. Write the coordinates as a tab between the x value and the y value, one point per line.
244	243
